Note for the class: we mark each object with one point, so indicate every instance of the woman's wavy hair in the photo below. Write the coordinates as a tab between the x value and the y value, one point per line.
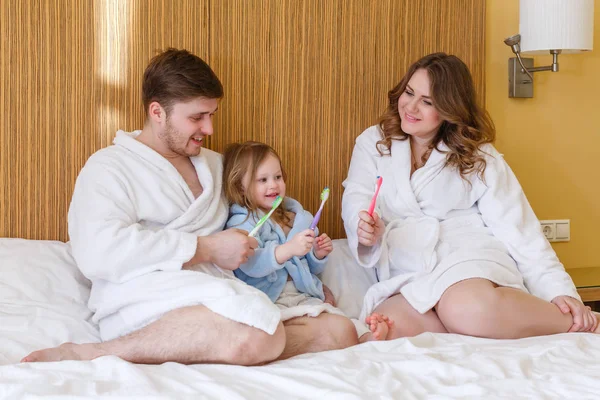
465	127
242	158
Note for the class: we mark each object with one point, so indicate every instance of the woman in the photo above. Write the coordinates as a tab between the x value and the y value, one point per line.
455	243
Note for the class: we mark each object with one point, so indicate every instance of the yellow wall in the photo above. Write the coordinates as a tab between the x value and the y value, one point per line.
552	141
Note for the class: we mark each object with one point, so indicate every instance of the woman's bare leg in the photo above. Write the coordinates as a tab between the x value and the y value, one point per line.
408	322
478	307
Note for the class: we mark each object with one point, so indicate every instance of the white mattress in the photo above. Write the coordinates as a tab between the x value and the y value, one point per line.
42	304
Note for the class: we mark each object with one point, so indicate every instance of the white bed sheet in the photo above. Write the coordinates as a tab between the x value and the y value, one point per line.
42	303
428	366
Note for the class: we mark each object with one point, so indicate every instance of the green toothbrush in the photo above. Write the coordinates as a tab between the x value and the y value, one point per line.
264	219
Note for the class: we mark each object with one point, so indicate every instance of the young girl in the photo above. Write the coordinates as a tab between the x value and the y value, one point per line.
290	254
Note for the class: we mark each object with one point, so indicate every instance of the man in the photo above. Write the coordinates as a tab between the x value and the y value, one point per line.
145	225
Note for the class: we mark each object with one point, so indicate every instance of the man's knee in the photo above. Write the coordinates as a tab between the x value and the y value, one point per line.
255	346
338	331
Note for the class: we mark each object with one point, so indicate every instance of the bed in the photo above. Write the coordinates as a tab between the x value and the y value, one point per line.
43	300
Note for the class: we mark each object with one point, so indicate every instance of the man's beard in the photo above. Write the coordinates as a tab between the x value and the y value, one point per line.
177	142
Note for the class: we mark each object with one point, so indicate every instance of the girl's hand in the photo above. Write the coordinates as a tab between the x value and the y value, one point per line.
370	228
584	320
328	296
323	246
301	243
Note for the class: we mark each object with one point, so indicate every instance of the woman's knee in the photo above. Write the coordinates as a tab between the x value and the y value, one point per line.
468	307
408	322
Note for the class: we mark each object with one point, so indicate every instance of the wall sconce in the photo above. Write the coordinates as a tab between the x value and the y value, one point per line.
557	26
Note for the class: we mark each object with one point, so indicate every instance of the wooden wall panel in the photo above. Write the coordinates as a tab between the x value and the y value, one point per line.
304	76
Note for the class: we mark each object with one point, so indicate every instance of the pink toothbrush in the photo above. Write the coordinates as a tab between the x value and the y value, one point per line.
374	199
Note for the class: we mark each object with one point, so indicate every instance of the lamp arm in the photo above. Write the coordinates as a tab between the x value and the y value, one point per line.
538	69
553	67
522	66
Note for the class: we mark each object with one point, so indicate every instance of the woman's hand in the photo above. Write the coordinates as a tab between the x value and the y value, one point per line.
370	228
584	320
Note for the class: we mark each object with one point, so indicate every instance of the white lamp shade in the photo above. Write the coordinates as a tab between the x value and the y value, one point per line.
566	25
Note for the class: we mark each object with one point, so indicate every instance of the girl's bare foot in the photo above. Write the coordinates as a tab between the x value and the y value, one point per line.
379	325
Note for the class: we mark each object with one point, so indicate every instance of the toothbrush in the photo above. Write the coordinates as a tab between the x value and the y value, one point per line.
324	197
264	219
374	199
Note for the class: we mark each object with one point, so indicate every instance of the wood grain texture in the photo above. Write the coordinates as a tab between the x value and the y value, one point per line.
589	294
307	77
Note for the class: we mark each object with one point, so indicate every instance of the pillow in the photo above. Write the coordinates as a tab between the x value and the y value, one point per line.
347	280
43	298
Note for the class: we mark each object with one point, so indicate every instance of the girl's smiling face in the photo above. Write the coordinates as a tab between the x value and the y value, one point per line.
267	184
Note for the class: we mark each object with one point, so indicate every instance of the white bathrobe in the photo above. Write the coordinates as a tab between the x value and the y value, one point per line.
133	222
441	230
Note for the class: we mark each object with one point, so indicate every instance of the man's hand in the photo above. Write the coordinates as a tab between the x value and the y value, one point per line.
227	249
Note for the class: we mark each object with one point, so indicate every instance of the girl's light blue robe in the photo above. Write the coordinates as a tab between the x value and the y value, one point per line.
262	270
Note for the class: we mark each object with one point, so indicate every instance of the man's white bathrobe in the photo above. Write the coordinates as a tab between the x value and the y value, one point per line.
441	230
133	222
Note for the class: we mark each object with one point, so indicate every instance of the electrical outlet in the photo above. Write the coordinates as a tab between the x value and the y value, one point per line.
557	230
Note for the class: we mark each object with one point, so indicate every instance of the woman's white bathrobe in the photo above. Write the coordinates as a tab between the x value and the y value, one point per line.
133	222
441	230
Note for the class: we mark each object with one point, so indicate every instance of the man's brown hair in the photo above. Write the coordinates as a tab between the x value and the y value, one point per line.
178	76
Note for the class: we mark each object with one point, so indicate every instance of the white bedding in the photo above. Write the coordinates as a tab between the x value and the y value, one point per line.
43	303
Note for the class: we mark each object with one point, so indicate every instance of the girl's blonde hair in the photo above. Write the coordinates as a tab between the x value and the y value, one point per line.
465	127
241	159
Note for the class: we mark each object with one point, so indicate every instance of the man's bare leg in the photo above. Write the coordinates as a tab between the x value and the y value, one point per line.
321	333
189	335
